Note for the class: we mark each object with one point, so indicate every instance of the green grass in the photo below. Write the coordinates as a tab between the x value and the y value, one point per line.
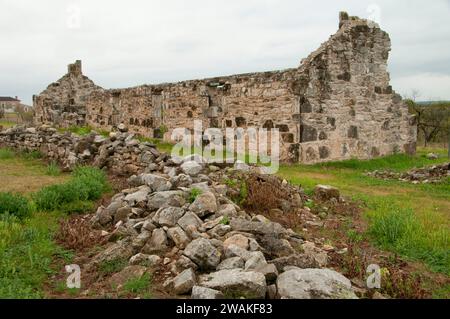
15	205
411	220
162	146
27	247
53	169
83	130
225	221
87	185
139	286
7	124
194	193
26	254
6	154
112	266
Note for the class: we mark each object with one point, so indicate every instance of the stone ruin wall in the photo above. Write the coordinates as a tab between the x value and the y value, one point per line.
64	102
337	105
121	154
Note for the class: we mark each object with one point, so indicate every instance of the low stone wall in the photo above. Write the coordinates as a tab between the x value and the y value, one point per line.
120	153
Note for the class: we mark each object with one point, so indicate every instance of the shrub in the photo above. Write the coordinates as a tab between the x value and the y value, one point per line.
14	204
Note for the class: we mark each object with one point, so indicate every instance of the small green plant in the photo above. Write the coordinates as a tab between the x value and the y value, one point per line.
138	285
53	169
163	129
15	204
225	220
243	193
354	236
112	266
310	204
195	192
80	130
230	182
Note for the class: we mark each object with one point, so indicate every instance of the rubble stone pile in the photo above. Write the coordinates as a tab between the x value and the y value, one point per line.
426	175
208	246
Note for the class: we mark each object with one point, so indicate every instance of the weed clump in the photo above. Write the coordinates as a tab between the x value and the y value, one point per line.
195	192
88	184
53	169
15	205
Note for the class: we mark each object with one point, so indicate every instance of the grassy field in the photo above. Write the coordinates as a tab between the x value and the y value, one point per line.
26	174
9	120
27	246
412	220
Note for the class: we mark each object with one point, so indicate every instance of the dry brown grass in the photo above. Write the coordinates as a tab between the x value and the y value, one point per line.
77	234
264	193
25	176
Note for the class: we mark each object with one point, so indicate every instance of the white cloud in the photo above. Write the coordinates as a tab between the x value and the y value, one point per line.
125	43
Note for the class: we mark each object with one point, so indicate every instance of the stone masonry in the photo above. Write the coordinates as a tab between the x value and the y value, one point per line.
336	105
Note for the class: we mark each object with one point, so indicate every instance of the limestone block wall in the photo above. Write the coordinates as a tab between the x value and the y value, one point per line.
336	105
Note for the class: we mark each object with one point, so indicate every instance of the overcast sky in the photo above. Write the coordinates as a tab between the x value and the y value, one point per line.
127	43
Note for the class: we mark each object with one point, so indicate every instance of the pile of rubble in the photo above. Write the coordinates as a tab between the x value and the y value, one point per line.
427	175
179	222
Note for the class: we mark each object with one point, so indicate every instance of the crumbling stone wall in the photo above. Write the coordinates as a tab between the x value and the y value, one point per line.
120	153
64	101
337	105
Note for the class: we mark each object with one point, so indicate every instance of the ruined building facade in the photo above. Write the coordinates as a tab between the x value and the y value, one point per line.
336	105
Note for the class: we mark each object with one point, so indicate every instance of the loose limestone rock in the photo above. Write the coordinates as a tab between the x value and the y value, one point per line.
158	243
236	283
314	284
325	193
231	263
156	183
204	204
168	216
237	240
203	253
191	168
166	199
178	236
206	293
184	282
190	219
